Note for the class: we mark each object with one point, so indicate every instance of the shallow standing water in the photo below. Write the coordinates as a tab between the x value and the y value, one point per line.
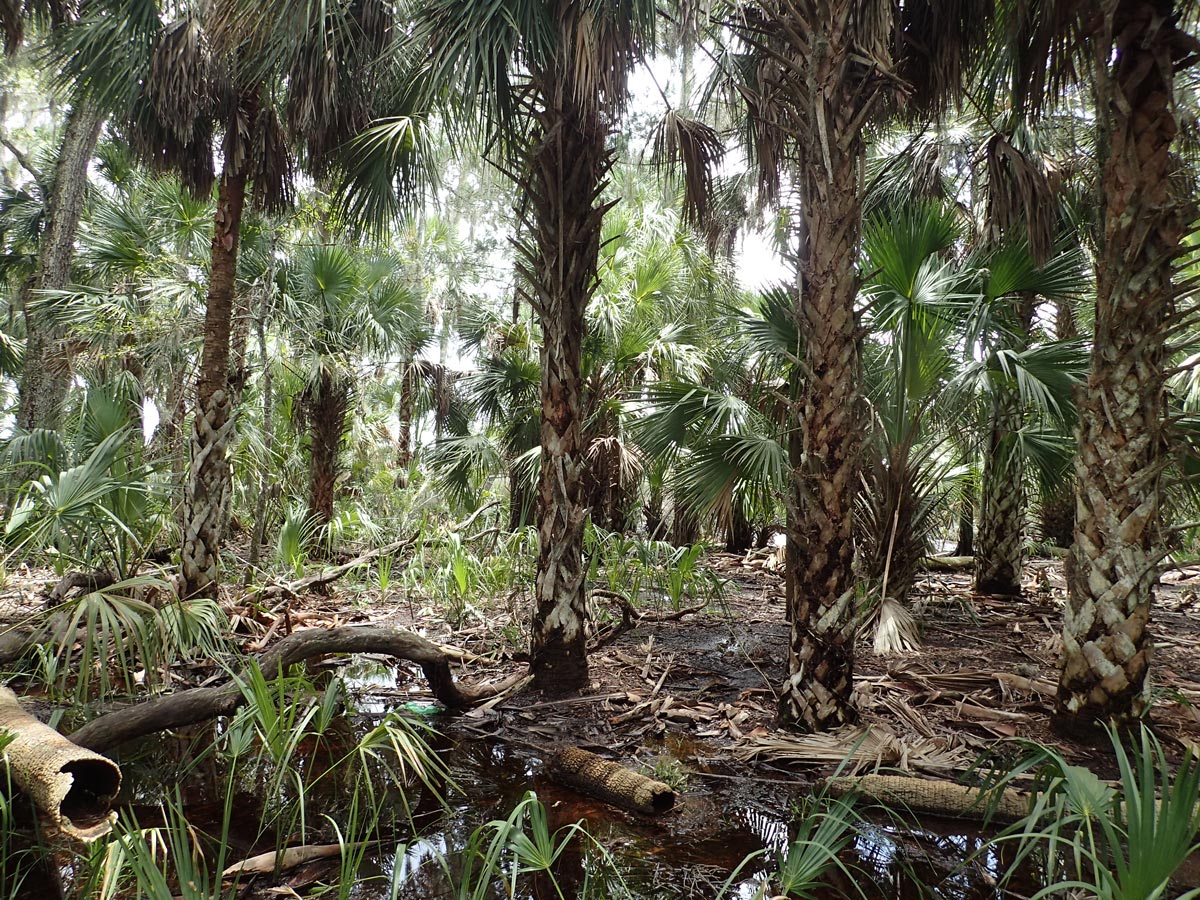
691	852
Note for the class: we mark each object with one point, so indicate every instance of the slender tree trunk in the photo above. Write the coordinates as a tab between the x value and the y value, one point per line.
568	165
266	486
1057	514
1118	540
327	421
209	483
1000	556
47	373
966	528
518	500
405	413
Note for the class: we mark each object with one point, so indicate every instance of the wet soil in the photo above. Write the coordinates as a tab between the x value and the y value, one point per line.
693	697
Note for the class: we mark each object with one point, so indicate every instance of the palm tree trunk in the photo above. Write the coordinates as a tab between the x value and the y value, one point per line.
266	487
828	416
1118	541
1057	514
1000	556
405	412
568	164
1000	549
47	372
327	421
209	481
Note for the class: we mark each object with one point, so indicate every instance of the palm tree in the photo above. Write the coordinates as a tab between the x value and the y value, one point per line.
265	85
1137	49
339	306
818	74
550	79
46	374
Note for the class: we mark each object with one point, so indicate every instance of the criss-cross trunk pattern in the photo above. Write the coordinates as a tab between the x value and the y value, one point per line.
209	482
825	70
1117	548
567	168
1000	554
328	406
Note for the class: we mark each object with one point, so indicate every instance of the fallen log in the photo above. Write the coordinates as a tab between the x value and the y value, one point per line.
609	781
941	798
74	786
948	563
202	704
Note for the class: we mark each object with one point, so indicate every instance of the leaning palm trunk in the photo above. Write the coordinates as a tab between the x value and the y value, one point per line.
567	168
1115	556
206	494
46	375
1000	550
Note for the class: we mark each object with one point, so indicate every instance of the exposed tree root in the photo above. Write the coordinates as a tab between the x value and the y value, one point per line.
201	704
73	786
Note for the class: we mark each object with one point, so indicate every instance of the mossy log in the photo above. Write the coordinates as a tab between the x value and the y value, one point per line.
609	781
941	798
75	787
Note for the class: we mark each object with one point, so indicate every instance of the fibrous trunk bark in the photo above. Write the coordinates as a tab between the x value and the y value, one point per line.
209	482
828	413
47	372
265	485
1117	547
327	421
567	167
1000	554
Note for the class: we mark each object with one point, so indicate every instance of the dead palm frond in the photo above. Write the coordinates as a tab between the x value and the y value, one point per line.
864	748
689	147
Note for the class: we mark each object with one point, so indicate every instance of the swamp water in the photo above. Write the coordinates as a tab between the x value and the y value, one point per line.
724	837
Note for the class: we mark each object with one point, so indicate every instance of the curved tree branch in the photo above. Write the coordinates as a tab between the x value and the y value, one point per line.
201	704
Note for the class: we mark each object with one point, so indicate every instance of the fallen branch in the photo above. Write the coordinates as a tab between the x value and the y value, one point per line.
88	581
201	704
328	576
73	786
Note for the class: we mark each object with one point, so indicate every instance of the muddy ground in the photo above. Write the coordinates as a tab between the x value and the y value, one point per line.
690	697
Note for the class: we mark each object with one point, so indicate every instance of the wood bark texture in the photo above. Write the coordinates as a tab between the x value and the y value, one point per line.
941	798
609	781
819	94
209	481
73	786
327	421
47	372
567	168
1118	539
1000	554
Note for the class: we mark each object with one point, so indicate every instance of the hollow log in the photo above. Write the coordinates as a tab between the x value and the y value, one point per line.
609	781
941	798
74	786
202	704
